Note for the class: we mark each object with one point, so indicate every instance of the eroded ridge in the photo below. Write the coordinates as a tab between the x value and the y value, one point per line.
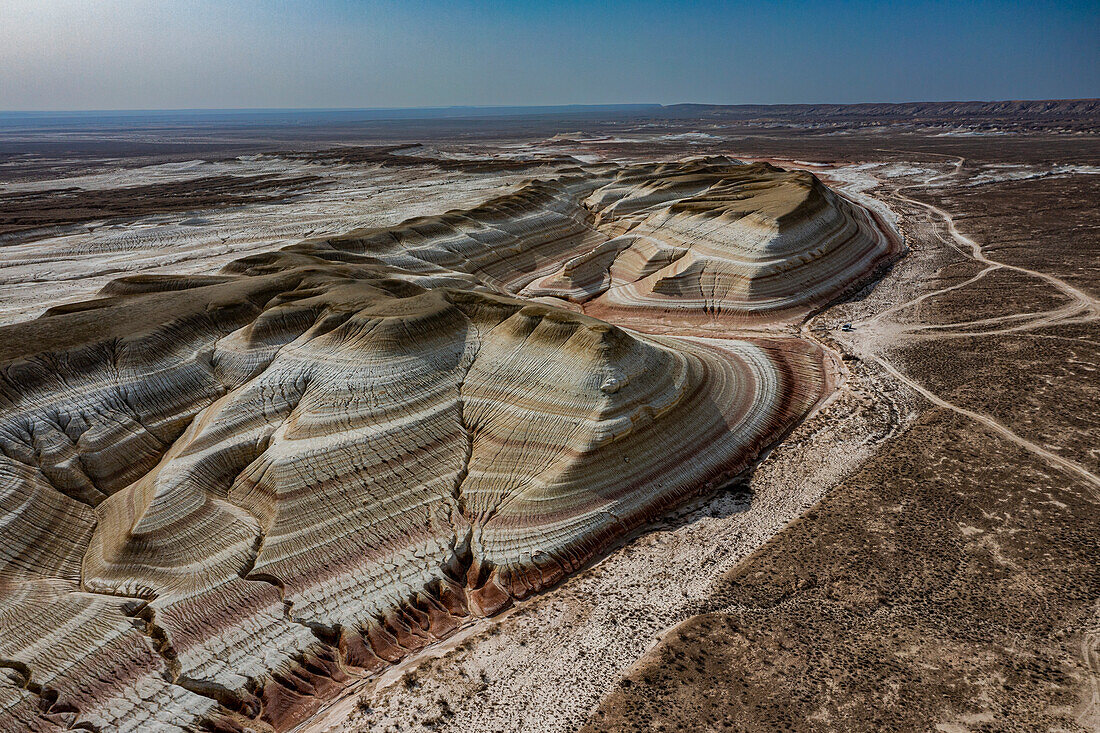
225	497
715	243
710	242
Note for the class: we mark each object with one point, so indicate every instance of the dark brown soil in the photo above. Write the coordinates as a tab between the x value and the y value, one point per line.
46	210
388	156
946	582
1045	223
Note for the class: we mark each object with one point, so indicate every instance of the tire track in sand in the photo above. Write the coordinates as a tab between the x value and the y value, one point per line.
1081	303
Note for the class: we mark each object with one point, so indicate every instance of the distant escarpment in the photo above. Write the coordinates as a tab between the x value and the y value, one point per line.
1039	114
225	497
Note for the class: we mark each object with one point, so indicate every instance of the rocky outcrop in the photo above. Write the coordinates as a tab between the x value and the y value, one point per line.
720	245
709	243
225	497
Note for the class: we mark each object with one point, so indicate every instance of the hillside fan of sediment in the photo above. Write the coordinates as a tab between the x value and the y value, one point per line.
225	497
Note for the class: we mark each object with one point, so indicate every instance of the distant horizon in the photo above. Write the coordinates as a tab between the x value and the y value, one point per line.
609	105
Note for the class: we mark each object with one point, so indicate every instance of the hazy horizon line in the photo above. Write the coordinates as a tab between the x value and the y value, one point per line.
640	105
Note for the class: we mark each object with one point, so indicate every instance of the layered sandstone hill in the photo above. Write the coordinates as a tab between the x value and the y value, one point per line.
222	498
742	244
708	243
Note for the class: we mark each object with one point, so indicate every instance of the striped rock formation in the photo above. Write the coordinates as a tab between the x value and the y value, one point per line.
709	243
222	498
720	244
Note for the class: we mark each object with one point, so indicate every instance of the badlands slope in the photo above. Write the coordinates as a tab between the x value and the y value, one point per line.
227	496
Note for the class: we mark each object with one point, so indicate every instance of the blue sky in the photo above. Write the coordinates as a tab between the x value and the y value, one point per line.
138	54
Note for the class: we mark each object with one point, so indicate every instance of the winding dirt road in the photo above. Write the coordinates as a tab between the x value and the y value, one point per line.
1081	307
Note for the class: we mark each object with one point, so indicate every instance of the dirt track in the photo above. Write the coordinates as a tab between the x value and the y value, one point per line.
1083	308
